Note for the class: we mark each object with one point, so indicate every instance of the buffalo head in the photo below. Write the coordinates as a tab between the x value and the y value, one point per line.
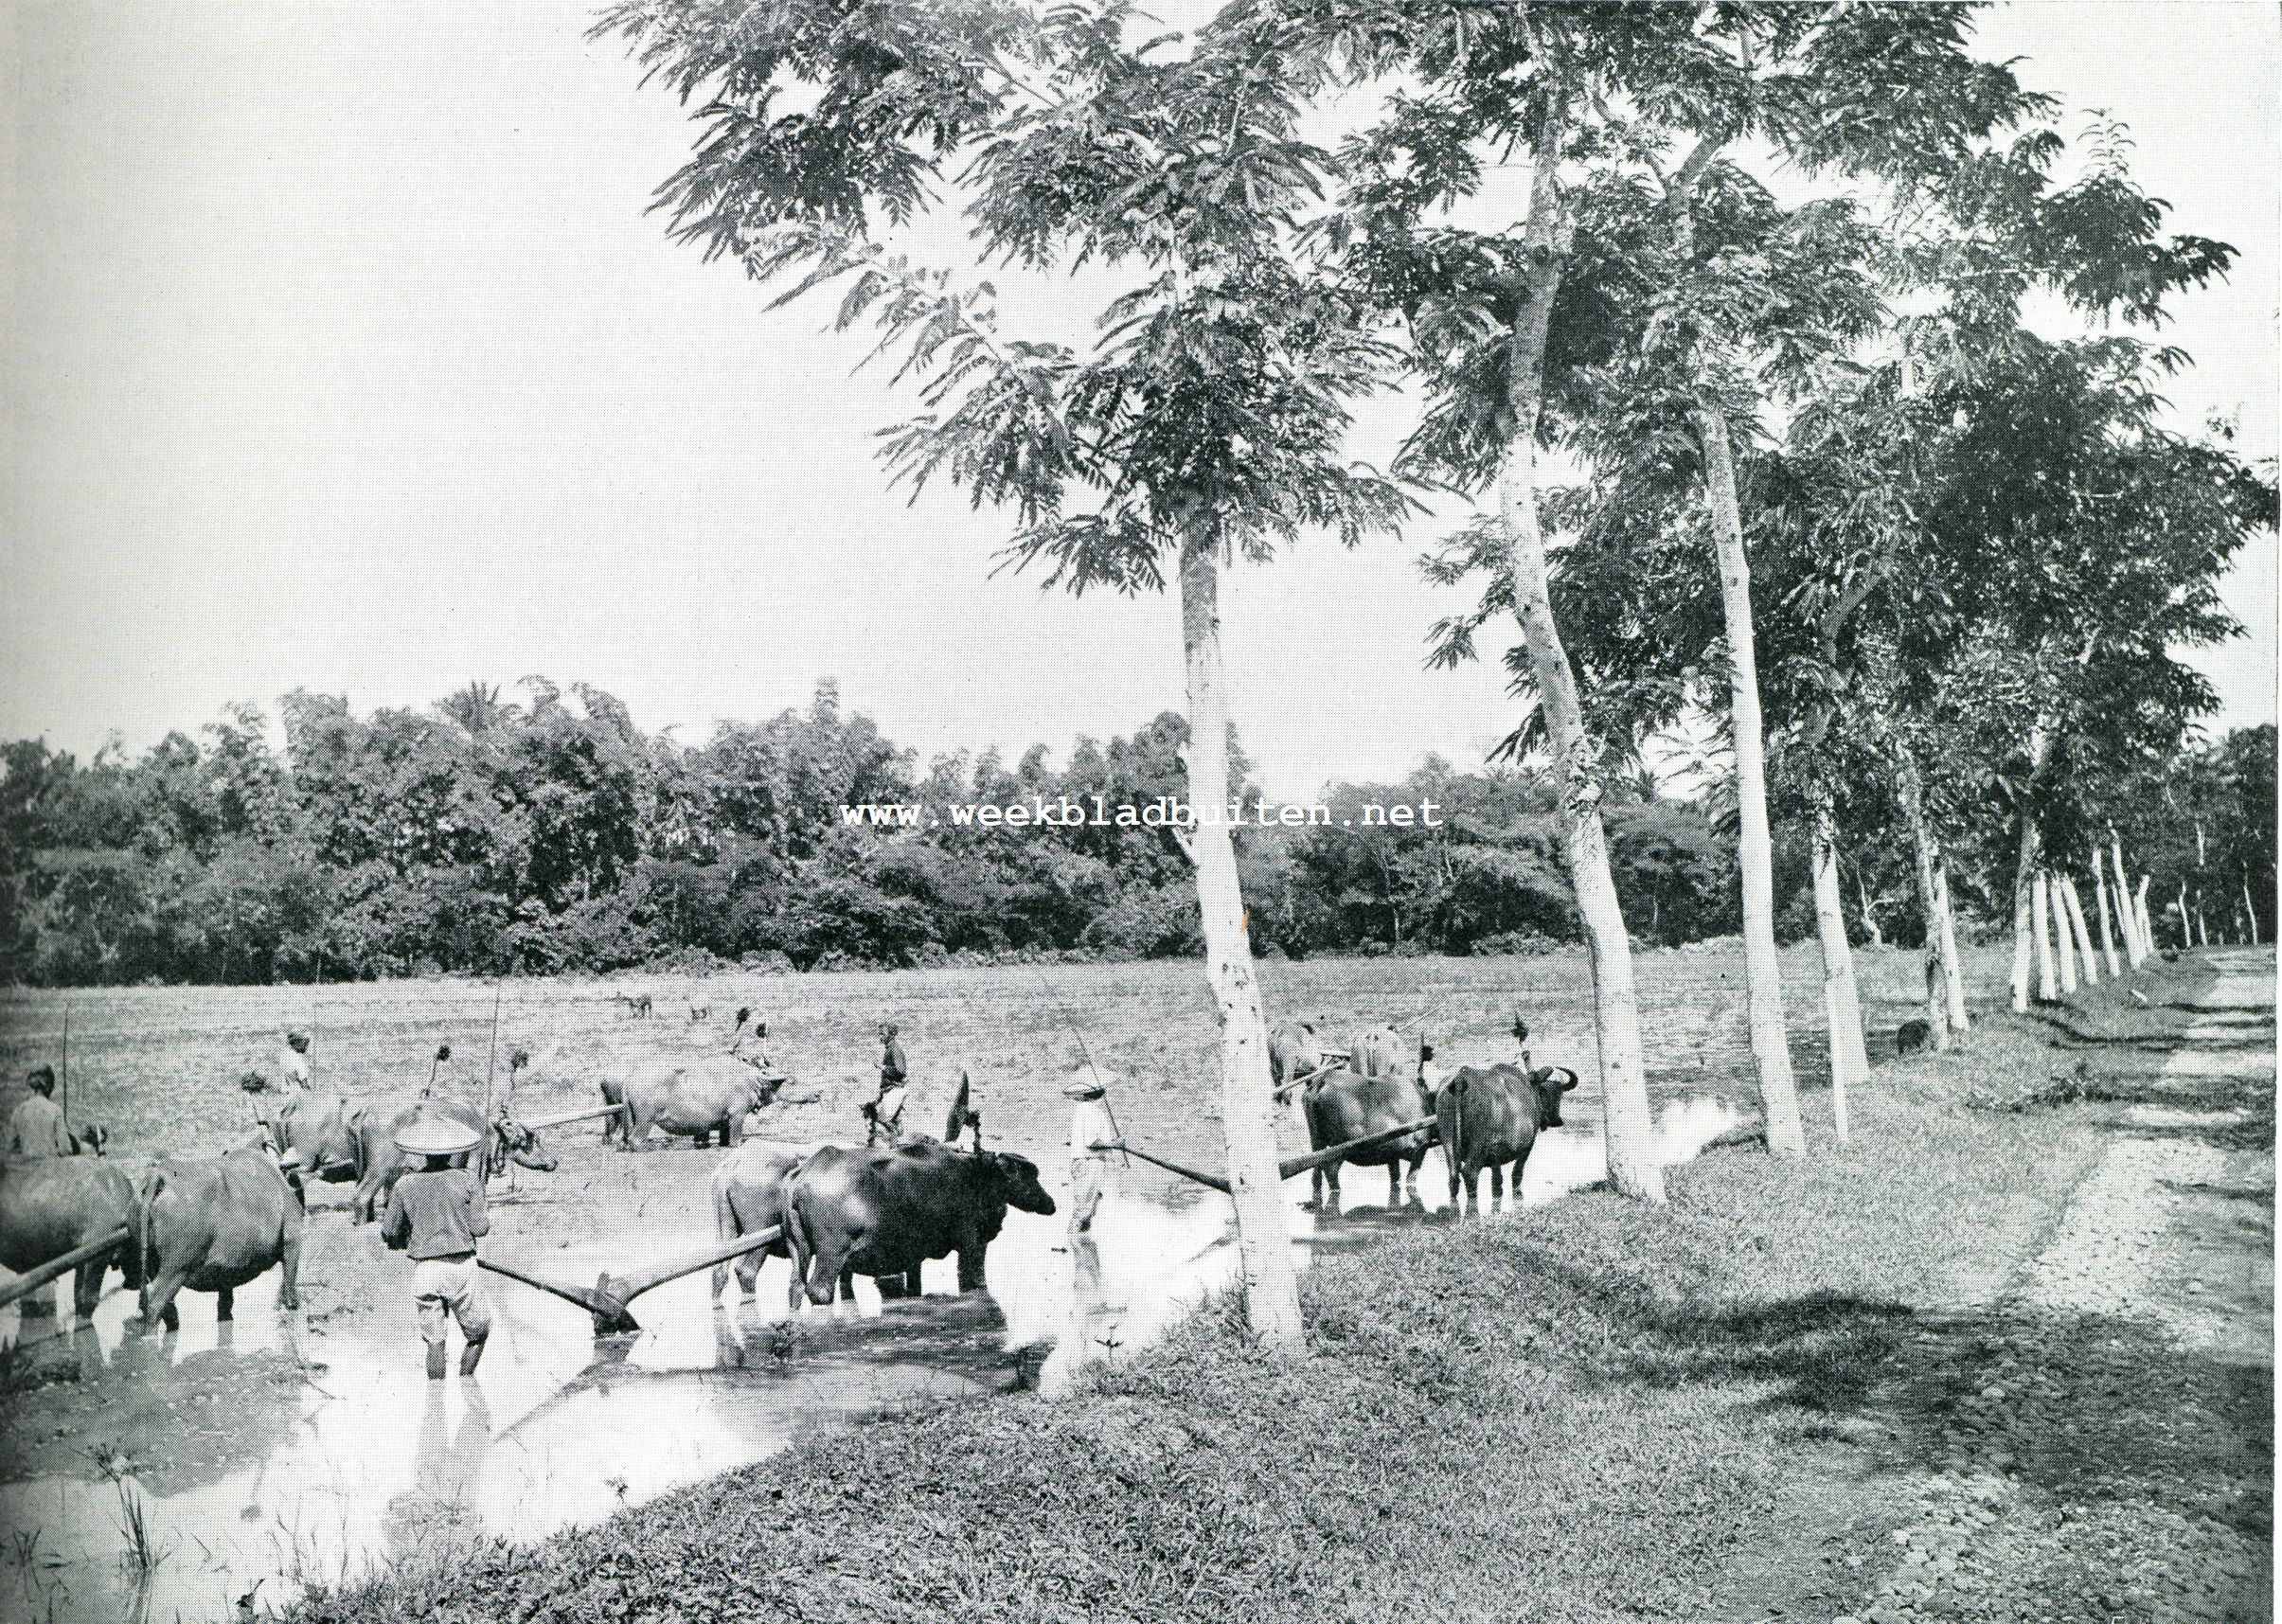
513	1142
1549	1082
1015	1179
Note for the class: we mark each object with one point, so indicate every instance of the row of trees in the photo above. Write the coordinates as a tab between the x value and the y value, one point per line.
1927	565
490	836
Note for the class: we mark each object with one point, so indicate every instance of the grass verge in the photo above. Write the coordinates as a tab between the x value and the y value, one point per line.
1587	1411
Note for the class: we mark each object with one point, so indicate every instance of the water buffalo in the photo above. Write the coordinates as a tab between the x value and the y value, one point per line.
1381	1051
883	1211
379	1163
1294	1051
316	1136
213	1225
50	1205
691	1098
1349	1105
748	1195
1491	1115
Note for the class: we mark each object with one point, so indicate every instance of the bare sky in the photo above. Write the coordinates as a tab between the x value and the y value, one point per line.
345	356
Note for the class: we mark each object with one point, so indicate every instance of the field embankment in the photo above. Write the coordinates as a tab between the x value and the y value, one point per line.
1863	1386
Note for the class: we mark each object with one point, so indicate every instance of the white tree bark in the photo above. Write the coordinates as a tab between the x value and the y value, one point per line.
1755	845
2250	915
1263	1234
1952	964
2136	947
2023	912
2065	958
1910	792
1841	1000
1626	1125
2046	988
1869	919
2203	925
2147	922
2082	929
2099	890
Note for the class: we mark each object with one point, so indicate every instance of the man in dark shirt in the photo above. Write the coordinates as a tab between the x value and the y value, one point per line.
886	1113
434	1216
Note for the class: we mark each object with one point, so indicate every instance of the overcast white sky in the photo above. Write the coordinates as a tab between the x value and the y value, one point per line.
345	356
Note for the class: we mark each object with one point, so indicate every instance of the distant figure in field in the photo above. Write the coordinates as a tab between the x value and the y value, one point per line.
37	1127
294	1061
885	1113
1090	1127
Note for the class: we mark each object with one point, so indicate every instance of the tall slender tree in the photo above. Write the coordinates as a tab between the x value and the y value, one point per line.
1203	427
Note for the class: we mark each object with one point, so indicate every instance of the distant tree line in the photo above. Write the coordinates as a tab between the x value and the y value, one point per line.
484	836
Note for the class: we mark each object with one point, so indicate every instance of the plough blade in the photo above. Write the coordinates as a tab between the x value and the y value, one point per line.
611	1297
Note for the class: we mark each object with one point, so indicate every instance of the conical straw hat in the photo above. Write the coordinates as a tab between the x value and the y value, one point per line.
428	1134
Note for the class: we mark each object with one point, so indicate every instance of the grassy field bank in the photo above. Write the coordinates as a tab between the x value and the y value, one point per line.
1590	1411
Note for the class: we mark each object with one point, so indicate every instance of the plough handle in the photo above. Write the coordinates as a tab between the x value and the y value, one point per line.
56	1268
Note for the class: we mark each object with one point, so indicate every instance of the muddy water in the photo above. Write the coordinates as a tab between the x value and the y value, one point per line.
375	1464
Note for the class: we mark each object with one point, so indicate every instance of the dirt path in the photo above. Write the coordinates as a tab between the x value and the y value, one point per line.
2095	1442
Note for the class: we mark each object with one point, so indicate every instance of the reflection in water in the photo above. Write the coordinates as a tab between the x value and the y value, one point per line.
367	1461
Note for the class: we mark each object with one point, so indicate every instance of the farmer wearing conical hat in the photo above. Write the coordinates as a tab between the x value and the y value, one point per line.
435	1215
1092	1128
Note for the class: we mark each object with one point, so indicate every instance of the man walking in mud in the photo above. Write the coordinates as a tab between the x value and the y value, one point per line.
435	1215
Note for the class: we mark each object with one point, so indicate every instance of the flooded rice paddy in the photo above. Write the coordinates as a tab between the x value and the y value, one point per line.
333	1454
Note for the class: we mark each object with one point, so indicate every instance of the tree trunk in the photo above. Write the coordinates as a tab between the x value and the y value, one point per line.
2147	921
2135	942
1754	847
1952	964
2048	990
2186	923
1626	1125
2066	957
2099	890
2082	930
1841	1000
2250	913
2203	925
2023	911
1263	1233
1912	794
1869	919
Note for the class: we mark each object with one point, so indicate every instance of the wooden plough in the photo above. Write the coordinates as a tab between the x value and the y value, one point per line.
535	1124
1292	1167
609	1298
56	1268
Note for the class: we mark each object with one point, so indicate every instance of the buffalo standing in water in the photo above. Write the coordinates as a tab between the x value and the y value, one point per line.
748	1196
1491	1115
692	1098
51	1205
213	1225
883	1211
1347	1105
381	1162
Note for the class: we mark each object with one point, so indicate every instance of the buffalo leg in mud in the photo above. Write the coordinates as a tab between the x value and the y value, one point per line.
1393	1184
226	1305
289	1252
88	1287
158	1302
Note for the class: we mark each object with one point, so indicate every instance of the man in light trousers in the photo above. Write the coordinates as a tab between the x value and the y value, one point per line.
435	1215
